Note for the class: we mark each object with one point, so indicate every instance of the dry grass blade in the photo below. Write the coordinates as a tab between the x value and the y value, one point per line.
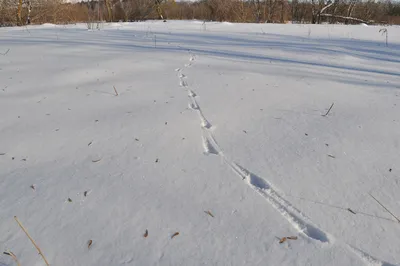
394	216
146	234
12	255
97	160
283	239
116	92
174	235
90	242
209	213
30	238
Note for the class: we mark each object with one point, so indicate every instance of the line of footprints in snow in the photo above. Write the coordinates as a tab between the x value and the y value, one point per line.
295	217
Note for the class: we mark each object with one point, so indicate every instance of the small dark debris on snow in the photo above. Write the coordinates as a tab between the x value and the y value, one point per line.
183	138
146	234
12	158
57	129
90	143
19	117
306	134
23	160
2	154
390	170
245	131
96	121
136	139
90	242
209	213
350	210
85	193
174	235
326	144
157	160
166	123
69	200
33	187
95	161
331	156
47	114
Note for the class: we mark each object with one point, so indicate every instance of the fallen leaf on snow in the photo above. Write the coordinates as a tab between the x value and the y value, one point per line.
174	235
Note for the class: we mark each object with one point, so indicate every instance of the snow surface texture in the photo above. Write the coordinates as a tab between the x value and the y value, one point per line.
218	132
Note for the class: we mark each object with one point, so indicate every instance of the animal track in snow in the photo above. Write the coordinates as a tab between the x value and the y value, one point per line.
191	93
208	147
193	106
183	83
295	217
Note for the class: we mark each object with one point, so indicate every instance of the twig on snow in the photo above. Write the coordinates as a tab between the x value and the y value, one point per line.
329	110
385	208
116	92
30	238
12	255
350	210
5	52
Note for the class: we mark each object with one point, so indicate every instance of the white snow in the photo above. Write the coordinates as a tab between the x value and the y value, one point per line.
225	118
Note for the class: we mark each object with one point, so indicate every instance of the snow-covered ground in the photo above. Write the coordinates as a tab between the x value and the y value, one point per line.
217	133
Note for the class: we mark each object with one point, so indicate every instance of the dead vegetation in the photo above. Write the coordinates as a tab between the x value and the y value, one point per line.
23	12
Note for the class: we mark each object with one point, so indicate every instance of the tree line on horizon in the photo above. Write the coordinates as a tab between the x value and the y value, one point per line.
23	12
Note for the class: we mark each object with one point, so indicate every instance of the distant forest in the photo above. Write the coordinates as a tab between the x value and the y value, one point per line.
22	12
